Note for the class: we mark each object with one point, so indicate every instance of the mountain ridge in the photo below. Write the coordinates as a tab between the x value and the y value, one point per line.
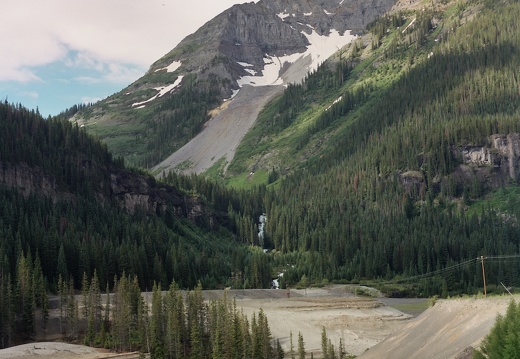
224	54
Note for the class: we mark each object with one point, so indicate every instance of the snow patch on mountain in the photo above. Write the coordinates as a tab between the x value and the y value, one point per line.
271	72
320	48
162	91
233	94
172	67
283	15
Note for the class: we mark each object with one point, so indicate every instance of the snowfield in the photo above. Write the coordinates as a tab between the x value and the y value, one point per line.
172	67
162	91
320	48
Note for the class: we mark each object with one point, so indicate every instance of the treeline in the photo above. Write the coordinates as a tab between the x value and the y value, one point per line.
73	233
71	111
178	118
54	146
165	324
73	238
170	324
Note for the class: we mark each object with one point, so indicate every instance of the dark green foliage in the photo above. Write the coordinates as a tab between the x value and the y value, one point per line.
74	237
54	146
503	341
347	210
68	113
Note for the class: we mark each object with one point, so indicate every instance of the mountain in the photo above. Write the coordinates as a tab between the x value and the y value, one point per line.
397	157
394	163
269	43
70	206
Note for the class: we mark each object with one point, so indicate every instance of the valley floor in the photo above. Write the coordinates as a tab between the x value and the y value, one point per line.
369	327
361	322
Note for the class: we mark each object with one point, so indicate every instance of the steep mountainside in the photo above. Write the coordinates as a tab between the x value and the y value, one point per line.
271	42
67	204
386	160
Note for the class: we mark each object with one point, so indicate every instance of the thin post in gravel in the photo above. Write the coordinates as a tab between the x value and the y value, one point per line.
483	276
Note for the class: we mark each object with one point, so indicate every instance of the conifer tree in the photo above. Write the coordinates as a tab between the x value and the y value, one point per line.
25	296
324	344
157	333
7	313
503	341
279	350
291	346
301	346
40	292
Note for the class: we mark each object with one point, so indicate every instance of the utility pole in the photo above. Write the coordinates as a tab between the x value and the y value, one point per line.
483	276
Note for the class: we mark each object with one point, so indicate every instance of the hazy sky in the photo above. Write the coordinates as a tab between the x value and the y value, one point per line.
57	53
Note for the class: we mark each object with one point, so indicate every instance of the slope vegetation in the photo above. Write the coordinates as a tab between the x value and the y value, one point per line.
249	44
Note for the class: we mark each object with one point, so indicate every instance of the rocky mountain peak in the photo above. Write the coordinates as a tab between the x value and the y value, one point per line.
251	32
268	43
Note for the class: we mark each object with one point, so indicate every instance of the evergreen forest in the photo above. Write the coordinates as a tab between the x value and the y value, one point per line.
367	184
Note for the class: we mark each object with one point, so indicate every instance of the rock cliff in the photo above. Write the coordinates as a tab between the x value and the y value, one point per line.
493	164
497	162
128	190
253	44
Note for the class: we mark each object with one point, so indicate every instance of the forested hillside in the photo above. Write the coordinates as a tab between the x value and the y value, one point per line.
62	219
396	163
370	153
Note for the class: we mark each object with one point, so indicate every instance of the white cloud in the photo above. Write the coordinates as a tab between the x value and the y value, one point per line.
86	100
118	38
87	80
122	74
31	94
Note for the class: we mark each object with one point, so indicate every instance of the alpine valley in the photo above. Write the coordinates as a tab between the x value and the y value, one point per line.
307	142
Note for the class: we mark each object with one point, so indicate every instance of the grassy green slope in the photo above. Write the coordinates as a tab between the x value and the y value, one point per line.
447	67
144	136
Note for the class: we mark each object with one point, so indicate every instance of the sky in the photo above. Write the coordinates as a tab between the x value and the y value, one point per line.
57	53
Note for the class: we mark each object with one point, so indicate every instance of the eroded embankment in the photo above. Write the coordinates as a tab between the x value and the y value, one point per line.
443	331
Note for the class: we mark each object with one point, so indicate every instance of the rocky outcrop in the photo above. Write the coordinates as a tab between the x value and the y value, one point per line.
128	190
500	158
27	180
492	165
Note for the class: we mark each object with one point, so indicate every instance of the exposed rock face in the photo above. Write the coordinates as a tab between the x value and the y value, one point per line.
130	191
412	181
27	180
502	155
493	165
248	32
